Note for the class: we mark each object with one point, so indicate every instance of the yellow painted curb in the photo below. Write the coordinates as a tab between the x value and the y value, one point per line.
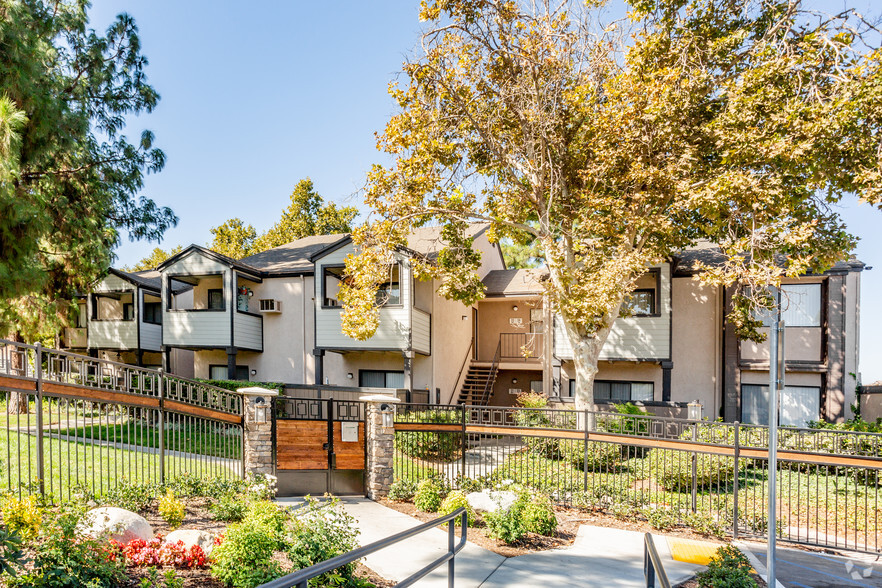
689	551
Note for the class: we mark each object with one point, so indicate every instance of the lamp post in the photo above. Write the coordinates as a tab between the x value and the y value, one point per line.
776	387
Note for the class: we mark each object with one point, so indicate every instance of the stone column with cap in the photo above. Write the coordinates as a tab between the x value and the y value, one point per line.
380	438
258	429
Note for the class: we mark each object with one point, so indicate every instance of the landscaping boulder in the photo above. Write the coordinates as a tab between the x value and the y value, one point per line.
191	537
115	523
491	500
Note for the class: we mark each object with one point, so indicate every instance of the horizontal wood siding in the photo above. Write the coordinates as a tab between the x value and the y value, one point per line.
644	337
113	334
247	331
348	456
196	329
113	283
195	263
422	332
393	330
151	336
299	445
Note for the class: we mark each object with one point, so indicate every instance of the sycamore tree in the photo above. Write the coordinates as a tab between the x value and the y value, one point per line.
615	144
69	178
307	215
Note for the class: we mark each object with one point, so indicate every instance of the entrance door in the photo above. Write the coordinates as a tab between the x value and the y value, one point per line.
320	446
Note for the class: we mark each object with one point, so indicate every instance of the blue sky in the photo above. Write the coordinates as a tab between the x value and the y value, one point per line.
257	95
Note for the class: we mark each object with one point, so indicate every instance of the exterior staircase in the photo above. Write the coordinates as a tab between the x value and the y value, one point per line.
478	380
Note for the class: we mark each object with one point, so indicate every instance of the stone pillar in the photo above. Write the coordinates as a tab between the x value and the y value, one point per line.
258	429
380	439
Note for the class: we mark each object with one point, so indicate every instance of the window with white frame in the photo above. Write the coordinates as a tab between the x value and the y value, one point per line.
801	305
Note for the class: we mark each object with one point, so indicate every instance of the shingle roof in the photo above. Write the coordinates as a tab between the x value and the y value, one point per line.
294	256
686	262
514	282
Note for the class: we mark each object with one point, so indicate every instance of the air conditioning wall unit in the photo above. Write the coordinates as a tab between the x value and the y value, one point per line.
270	306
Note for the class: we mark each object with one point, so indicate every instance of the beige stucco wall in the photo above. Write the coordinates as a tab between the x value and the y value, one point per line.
501	395
491	259
871	407
494	318
200	290
204	358
696	344
451	336
800	344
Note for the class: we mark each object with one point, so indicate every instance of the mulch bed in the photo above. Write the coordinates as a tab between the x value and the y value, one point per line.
693	583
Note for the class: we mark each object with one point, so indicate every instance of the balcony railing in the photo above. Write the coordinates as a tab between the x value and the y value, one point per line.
75	338
526	347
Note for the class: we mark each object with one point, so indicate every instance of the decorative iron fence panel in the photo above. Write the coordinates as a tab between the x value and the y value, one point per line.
710	476
74	424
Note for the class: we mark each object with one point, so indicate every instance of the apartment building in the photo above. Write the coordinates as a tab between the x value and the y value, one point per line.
275	316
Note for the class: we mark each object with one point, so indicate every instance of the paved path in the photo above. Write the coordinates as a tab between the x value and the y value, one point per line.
599	557
797	568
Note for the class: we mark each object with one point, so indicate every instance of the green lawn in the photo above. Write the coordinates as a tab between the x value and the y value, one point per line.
97	467
202	438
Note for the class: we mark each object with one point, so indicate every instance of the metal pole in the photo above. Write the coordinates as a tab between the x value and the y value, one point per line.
776	385
162	383
735	486
38	360
450	544
464	443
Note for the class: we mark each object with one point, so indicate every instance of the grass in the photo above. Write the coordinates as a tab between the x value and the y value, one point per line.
69	464
202	438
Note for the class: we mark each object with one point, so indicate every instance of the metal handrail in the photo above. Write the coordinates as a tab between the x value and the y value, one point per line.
652	564
457	387
491	377
301	578
514	346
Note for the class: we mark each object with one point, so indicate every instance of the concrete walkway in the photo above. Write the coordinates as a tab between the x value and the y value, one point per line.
797	568
599	557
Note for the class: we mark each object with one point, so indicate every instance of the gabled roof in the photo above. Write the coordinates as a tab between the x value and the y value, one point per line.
427	241
514	282
149	280
295	257
229	261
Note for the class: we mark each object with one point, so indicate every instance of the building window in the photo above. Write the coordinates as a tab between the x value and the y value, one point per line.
799	405
380	379
536	386
332	277
801	305
641	303
389	293
571	389
615	391
221	372
81	315
215	299
153	313
128	311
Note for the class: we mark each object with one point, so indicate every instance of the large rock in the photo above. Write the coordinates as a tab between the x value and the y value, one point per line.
115	523
191	537
491	500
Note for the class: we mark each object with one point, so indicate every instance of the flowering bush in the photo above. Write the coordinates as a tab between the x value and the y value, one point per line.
156	553
171	509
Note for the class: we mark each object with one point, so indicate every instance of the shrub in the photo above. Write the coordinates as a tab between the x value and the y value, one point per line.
130	496
11	553
457	499
428	495
623	424
321	532
549	448
229	508
528	514
537	513
402	490
601	456
729	568
171	509
431	445
659	518
673	470
267	515
62	559
22	517
244	559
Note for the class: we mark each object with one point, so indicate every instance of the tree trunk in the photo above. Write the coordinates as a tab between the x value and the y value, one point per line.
18	401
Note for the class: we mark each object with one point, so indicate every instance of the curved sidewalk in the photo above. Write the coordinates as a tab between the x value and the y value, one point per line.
600	556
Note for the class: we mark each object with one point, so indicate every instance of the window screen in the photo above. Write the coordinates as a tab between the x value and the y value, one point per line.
380	379
641	303
801	305
219	372
617	391
797	406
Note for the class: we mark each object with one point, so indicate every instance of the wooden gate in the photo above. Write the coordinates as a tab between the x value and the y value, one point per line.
320	446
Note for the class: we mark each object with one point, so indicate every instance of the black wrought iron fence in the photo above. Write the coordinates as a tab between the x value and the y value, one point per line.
710	476
72	423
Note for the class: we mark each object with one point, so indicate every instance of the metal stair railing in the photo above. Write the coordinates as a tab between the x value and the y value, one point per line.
491	377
